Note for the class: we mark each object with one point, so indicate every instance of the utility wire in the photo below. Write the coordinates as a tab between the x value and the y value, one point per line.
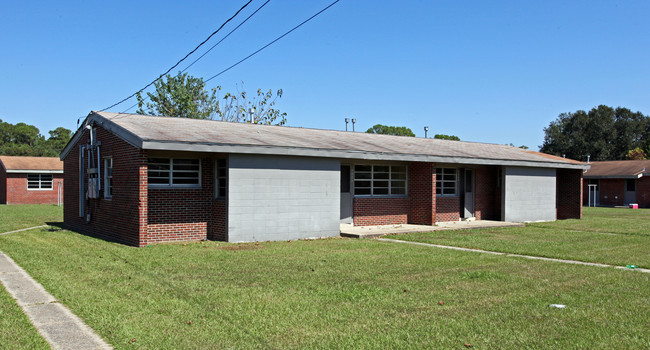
183	59
213	46
272	42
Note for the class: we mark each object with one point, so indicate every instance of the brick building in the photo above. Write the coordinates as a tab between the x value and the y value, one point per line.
617	183
142	179
31	180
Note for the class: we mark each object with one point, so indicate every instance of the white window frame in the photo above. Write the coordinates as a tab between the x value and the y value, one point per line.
40	182
440	181
372	181
171	184
108	177
219	179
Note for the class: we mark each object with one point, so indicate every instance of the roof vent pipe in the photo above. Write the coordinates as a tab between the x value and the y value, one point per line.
426	131
353	122
347	120
251	111
588	156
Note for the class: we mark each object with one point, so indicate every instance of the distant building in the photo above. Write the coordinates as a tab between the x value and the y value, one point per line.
141	179
31	180
618	182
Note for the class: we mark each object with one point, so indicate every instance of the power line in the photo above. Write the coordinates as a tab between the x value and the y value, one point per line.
213	46
272	42
183	59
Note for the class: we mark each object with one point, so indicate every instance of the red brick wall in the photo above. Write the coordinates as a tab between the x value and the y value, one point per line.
119	218
137	215
176	214
422	193
569	193
380	211
447	209
612	188
487	194
16	191
3	185
643	192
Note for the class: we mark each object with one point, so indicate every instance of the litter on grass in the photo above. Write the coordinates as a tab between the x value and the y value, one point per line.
631	266
558	306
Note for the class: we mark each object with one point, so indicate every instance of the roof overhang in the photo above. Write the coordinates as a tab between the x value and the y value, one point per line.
343	154
637	176
33	171
160	145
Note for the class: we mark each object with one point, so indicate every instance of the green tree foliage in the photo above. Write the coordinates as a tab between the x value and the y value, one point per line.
390	130
446	137
185	96
512	145
25	140
604	133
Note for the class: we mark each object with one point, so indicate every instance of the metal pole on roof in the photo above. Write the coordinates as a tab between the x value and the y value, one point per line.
251	111
353	122
426	131
347	120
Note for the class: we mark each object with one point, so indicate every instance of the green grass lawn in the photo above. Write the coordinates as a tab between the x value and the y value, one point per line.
605	235
15	217
16	332
332	293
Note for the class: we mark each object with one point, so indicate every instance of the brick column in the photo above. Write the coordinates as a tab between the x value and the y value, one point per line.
422	193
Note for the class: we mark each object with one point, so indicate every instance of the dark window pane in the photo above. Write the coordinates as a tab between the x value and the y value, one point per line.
631	185
345	179
362	191
398	190
380	191
362	175
362	168
381	169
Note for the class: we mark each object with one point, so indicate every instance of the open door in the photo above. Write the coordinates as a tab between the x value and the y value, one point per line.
346	195
468	207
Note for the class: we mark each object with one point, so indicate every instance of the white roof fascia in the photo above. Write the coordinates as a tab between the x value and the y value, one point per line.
345	154
32	171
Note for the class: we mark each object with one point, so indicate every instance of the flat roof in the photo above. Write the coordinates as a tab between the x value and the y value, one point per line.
20	164
629	169
196	135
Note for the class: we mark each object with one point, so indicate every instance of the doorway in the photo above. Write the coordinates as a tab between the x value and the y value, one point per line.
630	191
467	194
346	195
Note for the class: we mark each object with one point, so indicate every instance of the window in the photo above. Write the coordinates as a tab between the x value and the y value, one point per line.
222	178
379	180
446	181
174	172
630	185
108	177
39	181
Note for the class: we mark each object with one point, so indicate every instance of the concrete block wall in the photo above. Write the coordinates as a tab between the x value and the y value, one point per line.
569	193
529	194
282	197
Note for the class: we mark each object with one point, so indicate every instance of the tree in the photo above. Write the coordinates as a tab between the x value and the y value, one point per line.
604	133
390	130
185	96
446	137
25	140
636	154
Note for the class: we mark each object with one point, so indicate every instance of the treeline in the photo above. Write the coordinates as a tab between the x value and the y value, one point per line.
603	133
26	140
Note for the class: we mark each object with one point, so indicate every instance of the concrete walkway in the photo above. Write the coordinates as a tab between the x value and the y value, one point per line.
59	326
24	229
509	254
347	230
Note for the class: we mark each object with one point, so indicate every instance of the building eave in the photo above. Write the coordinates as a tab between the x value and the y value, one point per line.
33	171
343	154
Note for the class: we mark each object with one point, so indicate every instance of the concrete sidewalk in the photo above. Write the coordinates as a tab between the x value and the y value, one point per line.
59	326
347	230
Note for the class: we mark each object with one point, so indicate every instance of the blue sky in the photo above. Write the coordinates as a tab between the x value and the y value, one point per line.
487	71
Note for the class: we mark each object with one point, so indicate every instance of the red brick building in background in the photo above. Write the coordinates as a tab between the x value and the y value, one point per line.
618	183
143	179
31	180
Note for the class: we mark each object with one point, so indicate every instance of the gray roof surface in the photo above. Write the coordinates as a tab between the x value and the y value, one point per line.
166	133
618	169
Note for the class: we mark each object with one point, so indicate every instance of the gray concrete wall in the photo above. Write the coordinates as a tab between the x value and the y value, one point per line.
272	198
528	194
